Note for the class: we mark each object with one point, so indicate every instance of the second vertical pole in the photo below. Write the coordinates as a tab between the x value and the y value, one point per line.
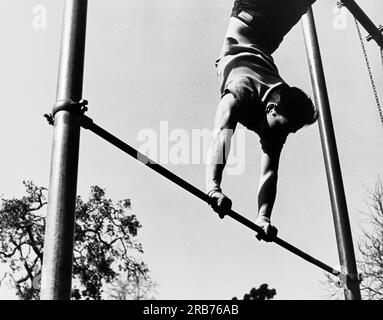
331	158
59	232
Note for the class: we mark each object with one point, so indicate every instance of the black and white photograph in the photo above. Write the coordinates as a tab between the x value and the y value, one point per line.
204	152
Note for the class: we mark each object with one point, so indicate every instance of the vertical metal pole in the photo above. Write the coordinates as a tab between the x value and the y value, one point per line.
333	171
59	233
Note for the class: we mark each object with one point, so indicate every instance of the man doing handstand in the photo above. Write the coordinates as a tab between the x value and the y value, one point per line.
254	94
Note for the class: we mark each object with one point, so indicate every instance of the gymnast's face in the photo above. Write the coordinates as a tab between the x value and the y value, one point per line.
277	123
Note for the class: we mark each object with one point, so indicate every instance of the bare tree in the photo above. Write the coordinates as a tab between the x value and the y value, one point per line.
371	246
370	249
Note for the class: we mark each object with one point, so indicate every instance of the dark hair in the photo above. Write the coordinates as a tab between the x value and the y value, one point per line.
297	105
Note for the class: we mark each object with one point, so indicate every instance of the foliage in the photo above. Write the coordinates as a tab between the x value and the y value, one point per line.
21	239
105	243
262	293
134	287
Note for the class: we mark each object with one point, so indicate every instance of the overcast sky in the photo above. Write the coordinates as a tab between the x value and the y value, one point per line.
149	70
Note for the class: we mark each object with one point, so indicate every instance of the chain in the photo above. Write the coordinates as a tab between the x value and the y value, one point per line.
381	56
370	72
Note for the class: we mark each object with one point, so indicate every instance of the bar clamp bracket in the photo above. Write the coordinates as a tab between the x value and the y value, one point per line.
346	281
77	107
340	4
370	37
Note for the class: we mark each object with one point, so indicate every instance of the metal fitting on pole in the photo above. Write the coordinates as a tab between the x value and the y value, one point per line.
348	281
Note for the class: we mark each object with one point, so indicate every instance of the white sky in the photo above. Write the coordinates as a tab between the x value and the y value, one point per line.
151	61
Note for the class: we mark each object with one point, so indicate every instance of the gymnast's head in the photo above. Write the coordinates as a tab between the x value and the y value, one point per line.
288	109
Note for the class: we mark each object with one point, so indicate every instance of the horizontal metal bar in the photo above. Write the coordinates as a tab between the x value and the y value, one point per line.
88	123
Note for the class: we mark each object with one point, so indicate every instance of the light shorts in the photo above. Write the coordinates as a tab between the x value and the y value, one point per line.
244	69
247	72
